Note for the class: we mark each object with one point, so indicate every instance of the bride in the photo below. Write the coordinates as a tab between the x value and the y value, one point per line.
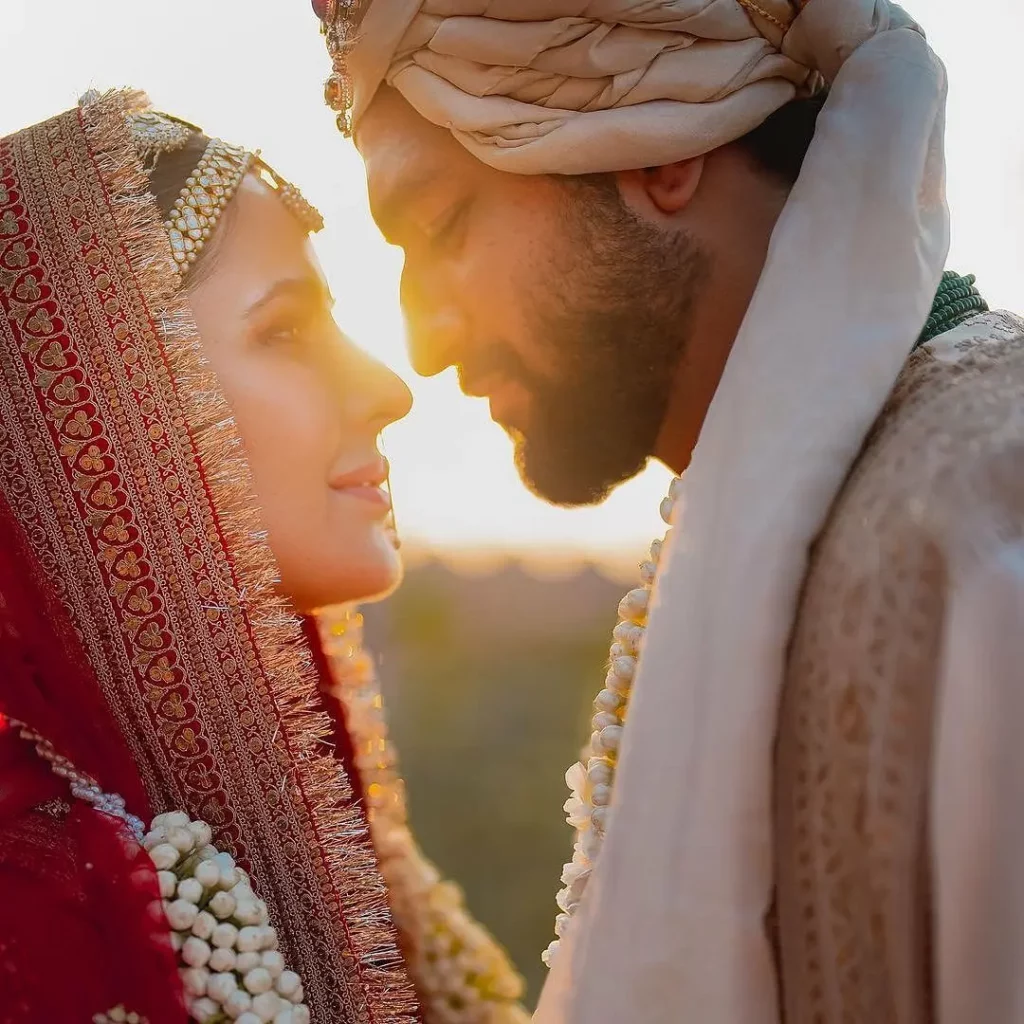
200	816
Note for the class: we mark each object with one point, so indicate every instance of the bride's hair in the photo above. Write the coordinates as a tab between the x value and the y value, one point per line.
167	178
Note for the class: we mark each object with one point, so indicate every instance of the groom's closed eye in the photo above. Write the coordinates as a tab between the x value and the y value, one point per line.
413	206
447	227
388	210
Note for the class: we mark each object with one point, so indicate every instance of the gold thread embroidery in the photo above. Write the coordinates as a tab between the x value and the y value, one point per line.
201	664
755	8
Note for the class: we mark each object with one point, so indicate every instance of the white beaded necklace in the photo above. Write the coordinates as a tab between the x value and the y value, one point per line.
591	782
220	930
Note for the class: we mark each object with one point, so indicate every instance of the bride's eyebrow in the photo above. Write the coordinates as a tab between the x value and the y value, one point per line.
306	289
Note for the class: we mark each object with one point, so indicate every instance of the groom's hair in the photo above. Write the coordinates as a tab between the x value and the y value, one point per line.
776	147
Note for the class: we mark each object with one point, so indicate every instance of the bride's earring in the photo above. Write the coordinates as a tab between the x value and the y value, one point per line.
392	525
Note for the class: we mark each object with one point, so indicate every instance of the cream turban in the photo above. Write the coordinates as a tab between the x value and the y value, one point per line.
579	86
672	925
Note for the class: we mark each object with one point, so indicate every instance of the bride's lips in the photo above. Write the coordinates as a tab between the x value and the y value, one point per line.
365	483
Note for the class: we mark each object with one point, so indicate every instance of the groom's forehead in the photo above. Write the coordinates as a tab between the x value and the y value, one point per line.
404	154
392	135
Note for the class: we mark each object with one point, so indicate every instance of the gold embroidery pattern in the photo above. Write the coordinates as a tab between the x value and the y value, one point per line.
36	845
123	466
936	492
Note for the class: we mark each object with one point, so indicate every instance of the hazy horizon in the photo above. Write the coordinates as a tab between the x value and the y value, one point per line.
256	79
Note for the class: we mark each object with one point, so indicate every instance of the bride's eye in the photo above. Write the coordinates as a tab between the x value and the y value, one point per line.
286	330
280	334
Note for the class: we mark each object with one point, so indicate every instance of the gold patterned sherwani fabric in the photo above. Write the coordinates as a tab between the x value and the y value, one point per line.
870	766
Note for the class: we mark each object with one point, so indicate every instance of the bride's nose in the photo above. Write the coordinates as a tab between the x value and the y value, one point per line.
384	396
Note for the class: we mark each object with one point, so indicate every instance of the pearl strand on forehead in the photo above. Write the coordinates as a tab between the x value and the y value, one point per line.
592	780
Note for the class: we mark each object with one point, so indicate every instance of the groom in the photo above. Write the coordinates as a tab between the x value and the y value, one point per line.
712	232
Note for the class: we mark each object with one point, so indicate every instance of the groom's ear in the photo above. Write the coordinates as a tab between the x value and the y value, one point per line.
661	191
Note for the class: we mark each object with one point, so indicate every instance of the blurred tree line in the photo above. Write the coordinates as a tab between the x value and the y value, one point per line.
488	681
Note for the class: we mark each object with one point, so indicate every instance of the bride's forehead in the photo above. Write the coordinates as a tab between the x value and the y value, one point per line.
259	245
258	217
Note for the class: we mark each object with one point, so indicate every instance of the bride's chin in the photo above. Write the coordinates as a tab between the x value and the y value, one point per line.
380	574
365	569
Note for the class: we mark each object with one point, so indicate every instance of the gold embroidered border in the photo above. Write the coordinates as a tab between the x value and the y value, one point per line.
122	462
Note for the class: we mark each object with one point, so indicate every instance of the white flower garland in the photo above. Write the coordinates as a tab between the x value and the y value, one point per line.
226	948
591	783
119	1015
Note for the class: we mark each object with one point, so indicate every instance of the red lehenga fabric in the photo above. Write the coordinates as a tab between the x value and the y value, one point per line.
78	900
139	631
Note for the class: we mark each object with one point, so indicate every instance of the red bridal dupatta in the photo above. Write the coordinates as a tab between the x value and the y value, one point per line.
139	631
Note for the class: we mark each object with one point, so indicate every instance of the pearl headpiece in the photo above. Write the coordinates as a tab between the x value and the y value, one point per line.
209	188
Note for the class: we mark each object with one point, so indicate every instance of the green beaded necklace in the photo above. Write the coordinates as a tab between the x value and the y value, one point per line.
955	301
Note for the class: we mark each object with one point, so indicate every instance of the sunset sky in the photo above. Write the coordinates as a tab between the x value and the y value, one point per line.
252	73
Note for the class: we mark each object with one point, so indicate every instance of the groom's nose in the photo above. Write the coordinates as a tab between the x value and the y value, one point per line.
435	331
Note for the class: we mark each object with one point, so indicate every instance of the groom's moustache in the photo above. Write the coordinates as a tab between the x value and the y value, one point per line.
496	363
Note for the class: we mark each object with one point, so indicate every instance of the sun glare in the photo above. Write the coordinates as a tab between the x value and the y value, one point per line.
254	76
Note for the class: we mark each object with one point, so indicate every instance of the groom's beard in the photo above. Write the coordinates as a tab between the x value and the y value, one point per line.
618	324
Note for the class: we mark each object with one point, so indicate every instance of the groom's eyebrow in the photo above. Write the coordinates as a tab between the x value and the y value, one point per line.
390	209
